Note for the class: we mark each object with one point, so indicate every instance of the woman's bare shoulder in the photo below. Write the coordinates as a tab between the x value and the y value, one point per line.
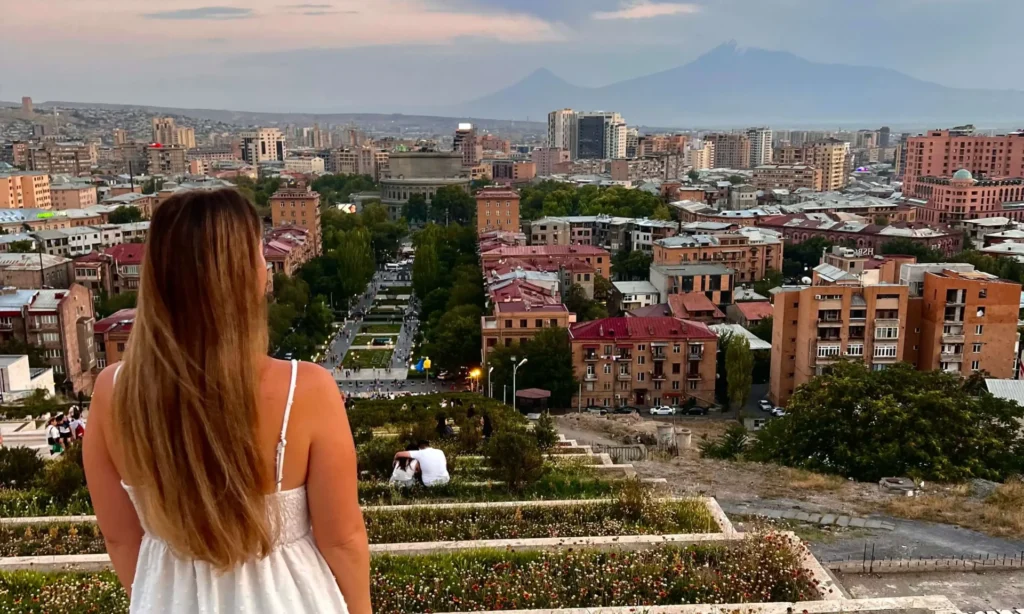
315	384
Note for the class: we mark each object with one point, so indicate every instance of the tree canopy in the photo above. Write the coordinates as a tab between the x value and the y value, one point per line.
898	422
906	247
553	198
631	266
336	189
586	309
125	215
549	366
739	361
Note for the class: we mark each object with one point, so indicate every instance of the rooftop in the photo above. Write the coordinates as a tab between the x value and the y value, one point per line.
547	250
118	321
692	269
635	287
693	304
127	253
755	310
640	329
29	262
756	343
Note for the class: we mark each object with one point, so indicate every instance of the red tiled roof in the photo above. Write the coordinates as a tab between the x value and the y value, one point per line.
122	320
690	303
96	257
640	329
127	253
496	193
756	310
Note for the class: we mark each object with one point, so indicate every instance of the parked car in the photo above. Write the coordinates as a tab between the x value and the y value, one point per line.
596	410
778	412
664	410
765	404
625	409
697	410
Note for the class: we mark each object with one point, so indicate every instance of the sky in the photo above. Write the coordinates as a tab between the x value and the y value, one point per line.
414	55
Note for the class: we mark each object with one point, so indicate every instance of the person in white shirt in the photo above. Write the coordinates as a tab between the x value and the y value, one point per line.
433	464
405	470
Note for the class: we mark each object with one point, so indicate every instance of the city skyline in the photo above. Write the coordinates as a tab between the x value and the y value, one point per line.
224	55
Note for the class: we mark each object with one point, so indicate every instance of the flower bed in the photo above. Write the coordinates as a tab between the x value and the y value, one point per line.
429	525
367	340
367	359
550	487
18	503
377	413
761	568
374	329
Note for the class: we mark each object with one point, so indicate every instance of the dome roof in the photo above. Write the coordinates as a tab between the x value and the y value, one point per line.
963	174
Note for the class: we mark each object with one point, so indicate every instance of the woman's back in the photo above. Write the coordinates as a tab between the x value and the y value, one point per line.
215	482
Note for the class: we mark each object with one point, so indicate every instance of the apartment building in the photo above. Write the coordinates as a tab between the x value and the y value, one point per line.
167	160
25	190
60	323
111	337
732	150
466	143
940	153
817	325
287	248
515	321
306	166
497	209
298	206
831	156
611	233
715	281
95	272
760	146
860	232
546	158
263	145
34	271
491	142
507	172
125	267
644	361
546	256
600	135
787	177
562	131
66	196
73	159
701	158
629	295
962	197
164	130
967	320
749	253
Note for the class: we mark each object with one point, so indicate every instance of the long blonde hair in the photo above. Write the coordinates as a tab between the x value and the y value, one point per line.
185	400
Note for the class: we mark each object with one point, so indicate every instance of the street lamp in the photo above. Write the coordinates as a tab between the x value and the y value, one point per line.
515	369
490	389
475	375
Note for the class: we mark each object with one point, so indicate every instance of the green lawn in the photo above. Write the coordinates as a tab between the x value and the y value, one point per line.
367	359
368	339
376	329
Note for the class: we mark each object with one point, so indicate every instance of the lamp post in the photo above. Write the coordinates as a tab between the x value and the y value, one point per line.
490	389
515	369
475	375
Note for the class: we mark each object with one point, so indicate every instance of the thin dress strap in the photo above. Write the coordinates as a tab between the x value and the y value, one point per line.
282	442
117	371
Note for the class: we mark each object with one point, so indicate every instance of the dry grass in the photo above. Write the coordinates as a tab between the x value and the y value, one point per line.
817	482
1001	514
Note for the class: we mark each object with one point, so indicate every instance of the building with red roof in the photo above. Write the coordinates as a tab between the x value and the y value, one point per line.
644	361
111	337
695	306
749	313
126	266
287	248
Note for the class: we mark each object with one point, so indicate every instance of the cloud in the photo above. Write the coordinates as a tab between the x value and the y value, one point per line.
309	6
203	12
648	10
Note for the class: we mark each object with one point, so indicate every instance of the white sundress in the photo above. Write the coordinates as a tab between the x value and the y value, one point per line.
294	578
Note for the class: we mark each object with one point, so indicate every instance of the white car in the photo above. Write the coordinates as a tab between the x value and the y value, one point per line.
765	405
778	412
664	410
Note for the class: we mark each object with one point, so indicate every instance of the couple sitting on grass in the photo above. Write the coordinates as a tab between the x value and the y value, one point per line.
420	464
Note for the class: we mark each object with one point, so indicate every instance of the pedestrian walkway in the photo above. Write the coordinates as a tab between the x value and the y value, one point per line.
838	520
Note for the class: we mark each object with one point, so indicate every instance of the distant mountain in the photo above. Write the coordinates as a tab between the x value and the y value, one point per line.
734	86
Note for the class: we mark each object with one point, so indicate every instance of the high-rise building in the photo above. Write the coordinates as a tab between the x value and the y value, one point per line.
760	146
883	137
164	130
185	137
25	190
466	143
26	104
940	153
701	158
547	157
263	145
787	177
61	158
732	150
562	127
601	135
120	136
298	206
831	156
166	160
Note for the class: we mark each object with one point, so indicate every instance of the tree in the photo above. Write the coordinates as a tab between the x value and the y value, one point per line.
549	365
125	215
881	220
585	309
455	339
416	209
632	266
868	424
771	279
602	288
802	257
907	247
739	365
736	179
694	176
452	204
762	329
21	247
109	305
152	185
661	212
426	272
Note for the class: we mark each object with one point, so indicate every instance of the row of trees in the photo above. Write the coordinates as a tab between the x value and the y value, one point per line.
450	204
334	189
448	280
549	366
559	199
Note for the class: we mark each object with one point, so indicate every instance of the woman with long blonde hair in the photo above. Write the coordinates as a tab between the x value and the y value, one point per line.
223	480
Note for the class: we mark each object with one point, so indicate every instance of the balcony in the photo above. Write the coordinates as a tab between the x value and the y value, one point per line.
590	377
658	377
693	375
591	357
951	357
490	323
953	338
625	356
6	326
822	323
895	322
623	377
659	357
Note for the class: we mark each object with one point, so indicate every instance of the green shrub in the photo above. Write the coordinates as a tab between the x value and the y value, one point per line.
515	458
20	466
545	433
377	457
730	446
62	479
470	437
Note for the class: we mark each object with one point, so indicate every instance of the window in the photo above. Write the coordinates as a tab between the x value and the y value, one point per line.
692	384
975	365
983	293
554	323
508	323
979	329
675	385
640	360
590	370
641	347
608	369
976	348
887	332
540	323
607	350
825	351
675	348
885	351
676	368
640	377
981	312
879	367
855	349
522	323
50	337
